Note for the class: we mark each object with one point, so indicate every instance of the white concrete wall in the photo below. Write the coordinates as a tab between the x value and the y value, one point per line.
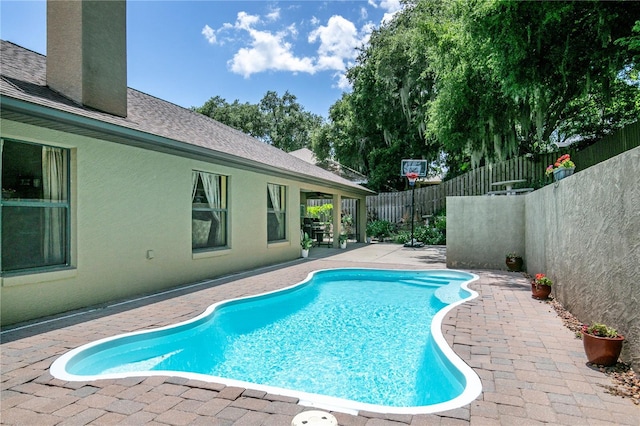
482	230
127	201
583	232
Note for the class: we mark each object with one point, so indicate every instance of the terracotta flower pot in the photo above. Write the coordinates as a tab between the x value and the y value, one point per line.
514	263
540	292
602	350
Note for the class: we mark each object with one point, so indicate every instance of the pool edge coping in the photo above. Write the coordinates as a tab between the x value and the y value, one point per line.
471	391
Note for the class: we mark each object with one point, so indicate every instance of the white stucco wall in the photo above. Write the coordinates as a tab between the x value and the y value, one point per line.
482	230
127	201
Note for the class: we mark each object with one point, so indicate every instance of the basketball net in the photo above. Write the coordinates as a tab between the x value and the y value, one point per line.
412	176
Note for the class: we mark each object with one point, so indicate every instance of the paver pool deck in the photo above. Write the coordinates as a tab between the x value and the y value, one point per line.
533	369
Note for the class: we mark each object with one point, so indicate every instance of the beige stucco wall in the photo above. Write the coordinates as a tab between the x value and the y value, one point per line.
87	53
127	201
583	232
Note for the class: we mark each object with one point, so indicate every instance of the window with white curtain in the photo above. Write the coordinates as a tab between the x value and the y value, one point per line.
276	212
209	210
34	208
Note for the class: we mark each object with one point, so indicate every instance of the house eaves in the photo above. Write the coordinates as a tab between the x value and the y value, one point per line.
54	119
151	123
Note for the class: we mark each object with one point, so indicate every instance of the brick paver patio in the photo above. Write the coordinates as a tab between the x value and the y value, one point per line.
532	368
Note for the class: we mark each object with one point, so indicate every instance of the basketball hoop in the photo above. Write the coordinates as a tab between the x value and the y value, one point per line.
412	176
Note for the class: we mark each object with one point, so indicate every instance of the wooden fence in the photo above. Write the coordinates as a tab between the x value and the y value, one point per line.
396	206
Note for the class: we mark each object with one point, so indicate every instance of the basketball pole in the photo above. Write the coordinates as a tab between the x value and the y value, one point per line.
413	210
412	177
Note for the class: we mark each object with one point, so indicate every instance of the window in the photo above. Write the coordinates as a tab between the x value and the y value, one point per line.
276	212
209	210
34	208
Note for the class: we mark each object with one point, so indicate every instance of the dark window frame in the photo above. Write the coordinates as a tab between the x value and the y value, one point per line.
7	202
272	213
202	209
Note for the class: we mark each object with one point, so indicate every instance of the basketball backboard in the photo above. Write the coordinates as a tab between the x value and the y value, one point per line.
414	166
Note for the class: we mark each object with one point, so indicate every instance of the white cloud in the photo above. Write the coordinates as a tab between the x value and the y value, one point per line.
267	51
270	50
293	30
274	16
343	81
338	42
244	21
392	7
209	34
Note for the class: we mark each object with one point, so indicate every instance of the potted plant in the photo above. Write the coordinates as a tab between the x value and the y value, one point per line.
602	344
342	238
514	262
562	168
347	224
370	230
541	287
306	243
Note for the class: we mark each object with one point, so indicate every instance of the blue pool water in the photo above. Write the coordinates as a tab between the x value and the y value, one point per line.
353	338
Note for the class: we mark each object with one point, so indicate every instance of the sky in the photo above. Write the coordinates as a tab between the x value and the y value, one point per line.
187	52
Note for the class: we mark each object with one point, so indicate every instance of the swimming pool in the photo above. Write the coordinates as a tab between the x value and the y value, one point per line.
343	339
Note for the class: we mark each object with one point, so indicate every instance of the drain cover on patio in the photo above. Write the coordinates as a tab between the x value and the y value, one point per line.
314	418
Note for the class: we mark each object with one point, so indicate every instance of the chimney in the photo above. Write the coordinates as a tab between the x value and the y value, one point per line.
87	52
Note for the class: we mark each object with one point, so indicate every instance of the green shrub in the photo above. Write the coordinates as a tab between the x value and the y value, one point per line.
379	229
323	212
429	235
402	237
434	234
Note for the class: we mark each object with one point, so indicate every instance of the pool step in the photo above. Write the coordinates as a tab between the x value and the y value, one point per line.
432	282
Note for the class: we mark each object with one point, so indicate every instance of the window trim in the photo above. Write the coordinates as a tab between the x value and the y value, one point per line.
200	252
40	204
284	191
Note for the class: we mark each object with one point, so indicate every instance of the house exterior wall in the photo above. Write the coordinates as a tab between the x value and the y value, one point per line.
583	232
127	201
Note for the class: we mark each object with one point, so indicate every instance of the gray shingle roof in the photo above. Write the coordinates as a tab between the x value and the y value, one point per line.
23	75
333	166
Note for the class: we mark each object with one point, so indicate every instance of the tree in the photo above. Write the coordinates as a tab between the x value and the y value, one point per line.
382	121
632	43
543	64
289	126
472	81
281	122
244	117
